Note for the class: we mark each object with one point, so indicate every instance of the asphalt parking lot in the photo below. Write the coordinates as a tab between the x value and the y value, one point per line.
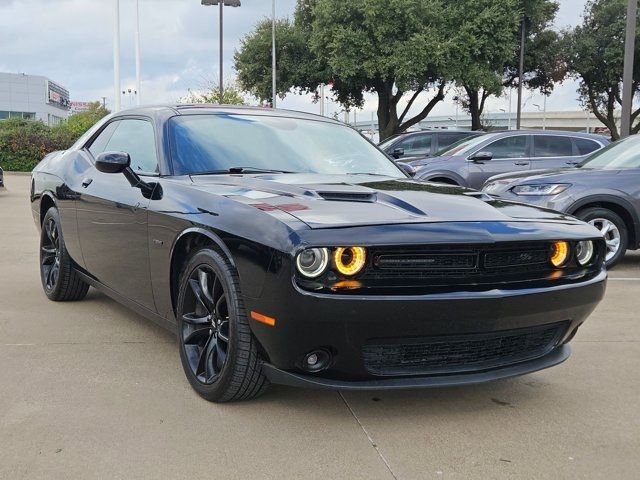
92	390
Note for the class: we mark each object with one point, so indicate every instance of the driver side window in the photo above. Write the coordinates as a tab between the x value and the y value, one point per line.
133	136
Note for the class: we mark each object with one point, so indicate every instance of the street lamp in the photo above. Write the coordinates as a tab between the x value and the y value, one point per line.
544	112
223	3
116	56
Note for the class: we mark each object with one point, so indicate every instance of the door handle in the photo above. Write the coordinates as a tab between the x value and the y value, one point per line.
86	182
572	163
521	163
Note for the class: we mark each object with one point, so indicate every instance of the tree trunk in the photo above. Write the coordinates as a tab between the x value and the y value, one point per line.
474	108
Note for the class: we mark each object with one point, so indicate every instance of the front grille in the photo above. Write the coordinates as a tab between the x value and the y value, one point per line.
472	264
461	353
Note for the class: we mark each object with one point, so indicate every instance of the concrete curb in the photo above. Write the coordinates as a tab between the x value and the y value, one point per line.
17	174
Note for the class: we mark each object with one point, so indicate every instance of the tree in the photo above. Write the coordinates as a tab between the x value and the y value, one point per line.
387	47
486	40
78	123
596	58
210	93
495	53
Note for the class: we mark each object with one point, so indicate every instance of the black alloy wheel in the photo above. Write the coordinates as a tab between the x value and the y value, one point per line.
218	351
50	254
60	280
205	325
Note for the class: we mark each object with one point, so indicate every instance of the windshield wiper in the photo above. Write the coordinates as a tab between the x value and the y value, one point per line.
240	170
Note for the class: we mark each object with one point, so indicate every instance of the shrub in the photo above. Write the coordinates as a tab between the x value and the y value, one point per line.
23	143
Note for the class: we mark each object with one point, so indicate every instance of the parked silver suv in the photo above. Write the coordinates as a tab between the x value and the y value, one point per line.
471	162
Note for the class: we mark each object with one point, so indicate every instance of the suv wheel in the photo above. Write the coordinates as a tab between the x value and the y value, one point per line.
613	229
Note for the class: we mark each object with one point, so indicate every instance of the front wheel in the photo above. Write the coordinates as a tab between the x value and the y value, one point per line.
218	352
60	280
613	229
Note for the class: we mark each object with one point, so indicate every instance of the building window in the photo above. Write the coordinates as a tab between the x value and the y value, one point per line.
23	115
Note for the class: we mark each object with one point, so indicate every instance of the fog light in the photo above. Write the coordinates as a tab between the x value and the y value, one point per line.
560	253
316	360
312	359
584	252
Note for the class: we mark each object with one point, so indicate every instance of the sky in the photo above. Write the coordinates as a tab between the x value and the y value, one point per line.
71	42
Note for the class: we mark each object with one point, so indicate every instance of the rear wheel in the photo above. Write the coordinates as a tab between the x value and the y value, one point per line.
60	280
218	352
613	229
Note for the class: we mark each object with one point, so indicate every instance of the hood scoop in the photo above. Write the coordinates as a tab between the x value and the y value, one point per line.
367	197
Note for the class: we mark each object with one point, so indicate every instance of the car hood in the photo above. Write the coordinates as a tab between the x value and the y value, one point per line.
563	175
429	161
327	201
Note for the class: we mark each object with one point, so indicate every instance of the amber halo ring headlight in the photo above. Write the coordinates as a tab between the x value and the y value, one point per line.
349	261
559	254
312	262
584	252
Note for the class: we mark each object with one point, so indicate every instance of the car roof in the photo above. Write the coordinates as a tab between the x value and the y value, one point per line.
558	133
210	109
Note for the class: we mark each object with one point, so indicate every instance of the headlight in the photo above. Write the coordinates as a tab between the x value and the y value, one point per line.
584	252
559	254
540	189
496	186
312	262
349	260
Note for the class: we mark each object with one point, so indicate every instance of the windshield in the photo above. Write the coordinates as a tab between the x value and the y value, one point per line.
620	155
461	147
217	143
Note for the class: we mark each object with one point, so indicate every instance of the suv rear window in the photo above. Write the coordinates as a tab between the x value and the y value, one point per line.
585	147
552	146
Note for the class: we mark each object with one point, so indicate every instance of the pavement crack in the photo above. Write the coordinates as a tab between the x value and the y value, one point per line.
371	441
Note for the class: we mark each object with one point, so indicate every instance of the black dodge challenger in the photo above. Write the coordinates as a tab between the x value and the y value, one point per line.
284	247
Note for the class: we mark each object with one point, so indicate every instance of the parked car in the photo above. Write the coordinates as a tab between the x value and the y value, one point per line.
424	143
306	256
604	190
471	162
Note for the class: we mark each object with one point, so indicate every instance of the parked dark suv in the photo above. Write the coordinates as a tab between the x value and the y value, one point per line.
471	162
604	191
425	143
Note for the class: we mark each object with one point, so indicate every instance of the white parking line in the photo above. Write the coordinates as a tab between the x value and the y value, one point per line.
629	279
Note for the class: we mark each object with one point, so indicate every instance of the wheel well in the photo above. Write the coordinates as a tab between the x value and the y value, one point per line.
445	180
621	211
181	253
45	204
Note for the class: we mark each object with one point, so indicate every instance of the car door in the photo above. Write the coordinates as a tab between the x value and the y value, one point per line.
112	215
552	151
509	154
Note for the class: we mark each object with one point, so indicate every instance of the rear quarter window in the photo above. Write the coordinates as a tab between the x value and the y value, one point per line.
585	147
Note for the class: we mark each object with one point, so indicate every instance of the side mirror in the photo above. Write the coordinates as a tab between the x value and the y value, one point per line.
397	153
408	169
113	162
483	156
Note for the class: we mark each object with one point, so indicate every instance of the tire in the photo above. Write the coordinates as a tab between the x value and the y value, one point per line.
218	352
60	281
615	235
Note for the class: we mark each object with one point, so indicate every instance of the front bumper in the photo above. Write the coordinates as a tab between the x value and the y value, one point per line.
557	356
344	325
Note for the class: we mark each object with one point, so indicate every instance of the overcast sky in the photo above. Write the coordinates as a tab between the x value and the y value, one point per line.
70	41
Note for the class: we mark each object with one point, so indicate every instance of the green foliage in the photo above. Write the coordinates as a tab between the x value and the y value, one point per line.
390	48
596	58
23	143
210	93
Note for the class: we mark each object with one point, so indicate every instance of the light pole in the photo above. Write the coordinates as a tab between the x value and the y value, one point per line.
273	53
505	111
137	49
456	99
116	56
222	3
544	112
521	74
627	79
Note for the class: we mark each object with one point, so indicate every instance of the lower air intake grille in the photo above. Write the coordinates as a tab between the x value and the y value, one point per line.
463	353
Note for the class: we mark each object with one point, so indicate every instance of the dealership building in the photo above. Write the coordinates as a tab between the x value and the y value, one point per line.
33	97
